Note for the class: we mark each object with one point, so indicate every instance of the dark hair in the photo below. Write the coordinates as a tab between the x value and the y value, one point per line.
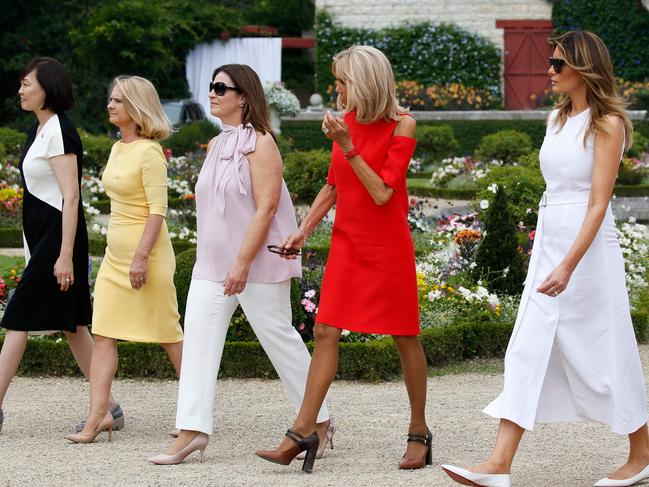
255	110
54	80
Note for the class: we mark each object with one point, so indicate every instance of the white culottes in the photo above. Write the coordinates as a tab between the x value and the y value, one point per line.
574	357
207	318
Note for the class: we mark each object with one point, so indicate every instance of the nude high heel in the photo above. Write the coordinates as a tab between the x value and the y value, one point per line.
199	442
105	425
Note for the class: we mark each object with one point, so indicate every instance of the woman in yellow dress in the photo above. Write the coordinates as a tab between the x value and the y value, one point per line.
135	297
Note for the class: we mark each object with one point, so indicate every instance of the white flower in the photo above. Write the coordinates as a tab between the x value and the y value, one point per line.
484	204
493	187
505	271
309	294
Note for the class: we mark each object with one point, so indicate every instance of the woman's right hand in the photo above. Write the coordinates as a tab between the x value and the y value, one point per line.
294	241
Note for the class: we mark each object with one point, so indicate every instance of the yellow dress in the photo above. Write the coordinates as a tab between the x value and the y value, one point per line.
135	179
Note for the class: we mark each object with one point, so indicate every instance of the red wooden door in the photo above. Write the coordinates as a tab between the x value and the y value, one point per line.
526	61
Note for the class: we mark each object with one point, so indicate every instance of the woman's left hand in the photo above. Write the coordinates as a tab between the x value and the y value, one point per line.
338	131
64	273
556	282
137	272
237	277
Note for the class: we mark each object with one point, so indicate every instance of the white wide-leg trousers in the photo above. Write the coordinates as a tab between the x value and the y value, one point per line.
207	317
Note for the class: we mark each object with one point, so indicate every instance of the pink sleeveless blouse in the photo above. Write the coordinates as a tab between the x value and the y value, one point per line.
225	207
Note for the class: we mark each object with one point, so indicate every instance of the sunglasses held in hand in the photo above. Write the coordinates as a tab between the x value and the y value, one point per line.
278	249
220	88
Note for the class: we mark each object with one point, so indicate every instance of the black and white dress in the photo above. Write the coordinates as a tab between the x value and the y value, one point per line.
38	303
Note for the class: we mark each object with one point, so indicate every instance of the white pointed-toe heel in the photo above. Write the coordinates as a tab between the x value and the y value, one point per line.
464	477
644	474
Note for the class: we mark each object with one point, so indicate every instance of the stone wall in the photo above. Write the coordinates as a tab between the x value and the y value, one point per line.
478	16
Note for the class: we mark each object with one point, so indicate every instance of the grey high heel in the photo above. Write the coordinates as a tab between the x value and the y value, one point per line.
2	418
116	413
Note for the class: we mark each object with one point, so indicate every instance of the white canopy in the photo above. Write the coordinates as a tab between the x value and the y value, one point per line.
263	54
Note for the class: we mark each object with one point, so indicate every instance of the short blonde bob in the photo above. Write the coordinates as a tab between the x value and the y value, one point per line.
142	103
371	92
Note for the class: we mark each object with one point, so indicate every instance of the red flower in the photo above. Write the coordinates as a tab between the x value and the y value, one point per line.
167	152
532	234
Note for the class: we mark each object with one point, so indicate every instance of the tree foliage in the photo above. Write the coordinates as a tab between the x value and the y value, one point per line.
623	25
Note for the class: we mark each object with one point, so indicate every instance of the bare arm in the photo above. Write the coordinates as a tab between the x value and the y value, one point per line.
65	171
266	174
375	186
608	148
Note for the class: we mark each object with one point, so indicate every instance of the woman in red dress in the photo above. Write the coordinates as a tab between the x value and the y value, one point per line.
370	283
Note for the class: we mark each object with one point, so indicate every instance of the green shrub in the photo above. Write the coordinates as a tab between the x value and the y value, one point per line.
284	144
417	51
531	159
12	140
506	146
640	145
498	260
11	237
305	173
182	278
190	137
96	150
462	182
3	152
436	142
629	174
524	186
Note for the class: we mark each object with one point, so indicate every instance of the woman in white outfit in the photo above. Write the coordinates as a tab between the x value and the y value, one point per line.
573	355
242	207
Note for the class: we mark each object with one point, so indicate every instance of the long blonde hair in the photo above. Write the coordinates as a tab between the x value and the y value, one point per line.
371	91
587	54
142	103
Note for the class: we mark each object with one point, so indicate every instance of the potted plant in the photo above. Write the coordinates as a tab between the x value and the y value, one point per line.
281	103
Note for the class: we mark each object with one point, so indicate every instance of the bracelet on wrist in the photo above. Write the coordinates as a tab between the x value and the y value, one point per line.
351	154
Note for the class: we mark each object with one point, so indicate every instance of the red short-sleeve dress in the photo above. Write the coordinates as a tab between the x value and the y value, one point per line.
370	282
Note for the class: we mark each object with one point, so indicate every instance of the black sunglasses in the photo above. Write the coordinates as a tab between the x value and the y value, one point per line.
278	249
220	88
557	64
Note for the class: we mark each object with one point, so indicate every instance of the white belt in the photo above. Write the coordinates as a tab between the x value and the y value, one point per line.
571	198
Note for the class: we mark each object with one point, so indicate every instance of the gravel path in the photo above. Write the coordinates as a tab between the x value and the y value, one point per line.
371	418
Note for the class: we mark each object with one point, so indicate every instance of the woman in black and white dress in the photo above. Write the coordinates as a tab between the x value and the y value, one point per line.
53	293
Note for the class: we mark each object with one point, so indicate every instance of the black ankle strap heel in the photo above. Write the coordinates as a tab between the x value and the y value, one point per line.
426	440
308	444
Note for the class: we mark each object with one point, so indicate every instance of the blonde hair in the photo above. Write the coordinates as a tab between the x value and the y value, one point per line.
142	103
587	54
368	76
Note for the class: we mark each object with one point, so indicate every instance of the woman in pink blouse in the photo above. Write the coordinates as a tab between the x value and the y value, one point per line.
242	207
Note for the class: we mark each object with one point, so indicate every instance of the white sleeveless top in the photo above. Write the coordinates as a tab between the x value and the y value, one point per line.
566	161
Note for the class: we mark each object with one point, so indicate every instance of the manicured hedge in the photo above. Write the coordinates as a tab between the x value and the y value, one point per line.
370	361
307	135
635	190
